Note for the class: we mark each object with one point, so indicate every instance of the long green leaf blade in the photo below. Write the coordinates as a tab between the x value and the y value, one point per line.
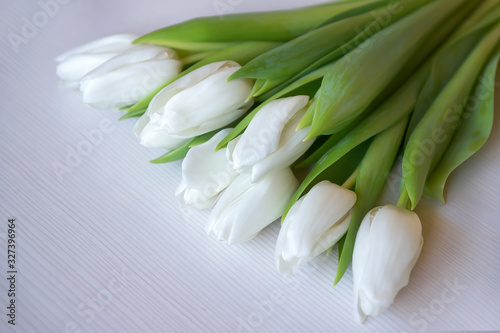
433	134
398	106
265	26
373	172
477	122
357	78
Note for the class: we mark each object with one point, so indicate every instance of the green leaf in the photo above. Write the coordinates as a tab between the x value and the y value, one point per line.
359	77
216	31
477	122
133	114
342	169
434	132
451	56
174	155
198	140
279	64
373	172
395	108
340	246
325	147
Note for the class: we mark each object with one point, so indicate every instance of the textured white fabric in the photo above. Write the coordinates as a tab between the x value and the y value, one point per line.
112	215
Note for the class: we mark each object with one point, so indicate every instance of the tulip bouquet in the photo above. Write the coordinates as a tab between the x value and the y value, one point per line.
303	113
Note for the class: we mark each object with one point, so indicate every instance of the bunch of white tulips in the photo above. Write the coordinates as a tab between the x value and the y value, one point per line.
247	108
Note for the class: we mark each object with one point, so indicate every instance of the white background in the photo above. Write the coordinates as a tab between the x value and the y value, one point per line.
105	247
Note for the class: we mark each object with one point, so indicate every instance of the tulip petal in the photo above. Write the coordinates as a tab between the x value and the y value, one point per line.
207	170
287	154
114	43
361	249
77	66
211	104
244	209
289	265
135	54
205	174
128	84
314	224
157	106
153	136
262	136
193	199
390	240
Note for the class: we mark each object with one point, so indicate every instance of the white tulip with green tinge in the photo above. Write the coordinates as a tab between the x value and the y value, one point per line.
387	247
206	173
314	224
245	208
153	136
201	101
271	141
75	63
129	77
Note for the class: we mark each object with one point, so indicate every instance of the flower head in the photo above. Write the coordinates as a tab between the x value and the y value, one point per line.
75	63
205	174
245	208
201	101
129	76
387	247
271	141
314	224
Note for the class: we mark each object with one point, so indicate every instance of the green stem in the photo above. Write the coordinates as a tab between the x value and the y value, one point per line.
191	59
351	181
403	201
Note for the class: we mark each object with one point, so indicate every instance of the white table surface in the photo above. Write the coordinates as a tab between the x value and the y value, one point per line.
104	247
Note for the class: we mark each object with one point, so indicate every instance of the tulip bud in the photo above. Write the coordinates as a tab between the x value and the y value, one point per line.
313	225
387	247
201	101
245	208
153	136
205	174
129	77
75	63
271	141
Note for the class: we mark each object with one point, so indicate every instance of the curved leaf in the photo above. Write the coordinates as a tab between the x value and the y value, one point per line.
477	121
434	132
356	79
373	172
451	56
397	107
281	26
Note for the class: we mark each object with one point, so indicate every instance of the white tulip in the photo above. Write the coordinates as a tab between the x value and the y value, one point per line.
129	77
153	136
75	63
205	174
201	101
245	208
313	225
387	247
271	141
